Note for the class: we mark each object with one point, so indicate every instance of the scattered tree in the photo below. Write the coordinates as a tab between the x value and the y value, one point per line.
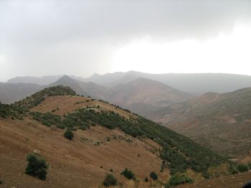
37	166
68	134
128	174
110	180
153	175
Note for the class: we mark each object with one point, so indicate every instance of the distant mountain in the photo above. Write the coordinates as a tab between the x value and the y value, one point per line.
82	88
191	83
219	121
11	92
44	80
144	95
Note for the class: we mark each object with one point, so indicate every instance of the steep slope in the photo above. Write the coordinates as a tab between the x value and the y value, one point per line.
190	83
144	96
107	139
82	88
10	92
218	121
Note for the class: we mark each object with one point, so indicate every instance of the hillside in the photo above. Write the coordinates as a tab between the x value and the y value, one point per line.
218	121
107	139
143	96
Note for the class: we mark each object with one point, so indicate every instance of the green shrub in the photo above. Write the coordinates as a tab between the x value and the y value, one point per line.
249	166
233	169
128	174
1	182
178	179
153	175
242	168
110	180
146	179
68	134
37	166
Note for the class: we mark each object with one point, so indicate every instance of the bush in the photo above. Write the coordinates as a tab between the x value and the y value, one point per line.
153	175
233	169
128	174
37	166
68	134
178	179
249	166
242	168
110	180
1	182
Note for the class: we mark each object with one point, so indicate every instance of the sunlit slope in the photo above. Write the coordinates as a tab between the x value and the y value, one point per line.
107	139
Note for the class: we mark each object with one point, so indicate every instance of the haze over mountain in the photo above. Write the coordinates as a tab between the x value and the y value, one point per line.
197	84
144	95
218	121
44	80
11	92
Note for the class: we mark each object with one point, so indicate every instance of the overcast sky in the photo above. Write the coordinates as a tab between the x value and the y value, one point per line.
82	37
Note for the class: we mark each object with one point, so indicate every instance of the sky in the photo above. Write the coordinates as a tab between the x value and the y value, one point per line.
83	37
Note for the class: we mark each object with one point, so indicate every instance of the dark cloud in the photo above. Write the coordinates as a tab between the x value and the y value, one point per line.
56	35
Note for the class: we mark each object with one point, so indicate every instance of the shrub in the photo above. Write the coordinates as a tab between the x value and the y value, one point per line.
146	179
37	166
110	180
1	182
178	179
68	134
128	174
233	169
242	168
249	166
153	175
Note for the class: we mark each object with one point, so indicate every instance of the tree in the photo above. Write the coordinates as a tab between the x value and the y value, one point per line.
128	174
68	134
37	166
110	180
153	175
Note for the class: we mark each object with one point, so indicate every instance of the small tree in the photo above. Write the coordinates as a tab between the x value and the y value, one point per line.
242	168
153	175
110	180
128	174
68	134
37	166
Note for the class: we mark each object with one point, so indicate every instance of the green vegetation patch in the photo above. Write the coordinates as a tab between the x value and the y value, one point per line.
178	179
110	180
128	174
37	166
179	153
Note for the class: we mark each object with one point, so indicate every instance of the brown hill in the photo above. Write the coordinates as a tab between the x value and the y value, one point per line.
143	96
218	121
106	140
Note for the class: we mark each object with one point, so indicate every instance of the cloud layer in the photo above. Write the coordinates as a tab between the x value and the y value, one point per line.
79	37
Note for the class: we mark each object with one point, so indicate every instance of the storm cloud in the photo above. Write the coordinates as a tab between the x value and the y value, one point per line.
78	37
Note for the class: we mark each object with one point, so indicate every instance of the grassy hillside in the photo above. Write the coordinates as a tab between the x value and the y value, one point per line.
218	121
98	126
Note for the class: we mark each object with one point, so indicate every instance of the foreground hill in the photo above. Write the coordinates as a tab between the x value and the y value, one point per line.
218	121
107	139
144	96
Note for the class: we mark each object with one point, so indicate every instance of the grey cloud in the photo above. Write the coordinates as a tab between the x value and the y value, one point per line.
53	31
